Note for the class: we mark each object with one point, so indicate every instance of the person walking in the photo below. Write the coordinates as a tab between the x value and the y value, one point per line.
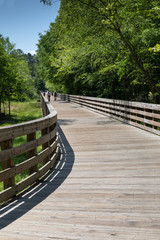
48	96
55	96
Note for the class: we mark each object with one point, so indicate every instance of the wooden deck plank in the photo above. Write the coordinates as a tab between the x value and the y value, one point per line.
105	187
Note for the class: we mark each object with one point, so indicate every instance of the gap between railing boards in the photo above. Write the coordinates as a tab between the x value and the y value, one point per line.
41	150
142	115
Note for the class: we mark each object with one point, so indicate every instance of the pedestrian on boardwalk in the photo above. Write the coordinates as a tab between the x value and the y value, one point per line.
55	96
48	96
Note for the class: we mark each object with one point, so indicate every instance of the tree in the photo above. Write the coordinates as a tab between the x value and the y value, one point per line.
3	67
134	30
15	78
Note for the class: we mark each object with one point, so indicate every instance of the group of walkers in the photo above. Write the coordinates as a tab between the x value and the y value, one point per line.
49	94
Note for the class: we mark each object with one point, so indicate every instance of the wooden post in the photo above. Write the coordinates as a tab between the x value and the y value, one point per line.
53	139
45	145
154	119
7	163
33	152
144	117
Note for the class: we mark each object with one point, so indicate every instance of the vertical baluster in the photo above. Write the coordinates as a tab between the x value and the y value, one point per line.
144	116
153	119
53	139
33	152
45	145
7	163
136	109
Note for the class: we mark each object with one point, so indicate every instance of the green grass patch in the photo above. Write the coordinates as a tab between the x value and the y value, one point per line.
22	112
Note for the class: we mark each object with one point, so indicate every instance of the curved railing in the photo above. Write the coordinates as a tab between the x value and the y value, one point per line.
38	162
138	114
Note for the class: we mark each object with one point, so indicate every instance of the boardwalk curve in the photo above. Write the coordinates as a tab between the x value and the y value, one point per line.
105	187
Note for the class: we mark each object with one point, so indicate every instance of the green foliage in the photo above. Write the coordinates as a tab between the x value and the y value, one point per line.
104	48
16	75
22	112
155	49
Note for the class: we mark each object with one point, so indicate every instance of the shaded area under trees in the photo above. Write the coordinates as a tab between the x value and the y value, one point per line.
104	48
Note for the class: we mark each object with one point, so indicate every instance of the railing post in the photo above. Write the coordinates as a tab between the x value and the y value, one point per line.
144	117
33	152
53	139
67	96
153	119
8	153
7	163
45	145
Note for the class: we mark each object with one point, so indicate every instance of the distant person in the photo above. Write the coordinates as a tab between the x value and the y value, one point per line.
44	94
48	96
55	96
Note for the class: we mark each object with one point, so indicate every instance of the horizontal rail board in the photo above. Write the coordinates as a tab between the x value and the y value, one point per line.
118	102
13	152
21	167
24	129
47	156
142	115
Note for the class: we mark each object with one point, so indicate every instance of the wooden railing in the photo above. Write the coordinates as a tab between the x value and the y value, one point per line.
37	163
142	115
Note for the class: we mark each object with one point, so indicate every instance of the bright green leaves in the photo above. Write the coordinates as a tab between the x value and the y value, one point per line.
15	78
104	48
155	49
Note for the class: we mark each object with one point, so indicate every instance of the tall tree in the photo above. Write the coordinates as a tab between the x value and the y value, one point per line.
118	35
15	78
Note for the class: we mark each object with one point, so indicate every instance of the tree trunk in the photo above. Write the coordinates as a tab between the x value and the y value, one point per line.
9	106
0	106
147	74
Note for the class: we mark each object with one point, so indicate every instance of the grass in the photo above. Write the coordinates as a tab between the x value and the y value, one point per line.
21	112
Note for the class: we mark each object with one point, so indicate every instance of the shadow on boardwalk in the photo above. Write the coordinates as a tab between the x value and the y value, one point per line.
20	205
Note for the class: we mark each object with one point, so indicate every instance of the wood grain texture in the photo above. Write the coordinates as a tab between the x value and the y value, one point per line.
8	152
105	186
143	115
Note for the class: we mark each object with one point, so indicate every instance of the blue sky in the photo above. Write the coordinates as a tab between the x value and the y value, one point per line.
23	20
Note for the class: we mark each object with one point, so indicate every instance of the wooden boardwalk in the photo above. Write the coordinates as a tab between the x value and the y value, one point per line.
105	187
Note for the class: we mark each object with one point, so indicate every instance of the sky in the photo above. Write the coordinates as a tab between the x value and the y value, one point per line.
23	20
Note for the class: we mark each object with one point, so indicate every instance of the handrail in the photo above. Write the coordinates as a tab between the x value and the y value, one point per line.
142	115
46	157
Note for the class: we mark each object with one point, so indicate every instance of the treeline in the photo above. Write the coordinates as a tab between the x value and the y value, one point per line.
18	75
103	48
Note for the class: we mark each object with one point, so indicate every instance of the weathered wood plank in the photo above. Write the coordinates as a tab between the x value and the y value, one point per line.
106	185
26	147
142	115
8	163
21	167
26	128
8	152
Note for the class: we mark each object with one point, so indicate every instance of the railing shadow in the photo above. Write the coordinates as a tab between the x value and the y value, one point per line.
23	203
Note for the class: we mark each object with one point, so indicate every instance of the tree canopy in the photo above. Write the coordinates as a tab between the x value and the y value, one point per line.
17	74
104	48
